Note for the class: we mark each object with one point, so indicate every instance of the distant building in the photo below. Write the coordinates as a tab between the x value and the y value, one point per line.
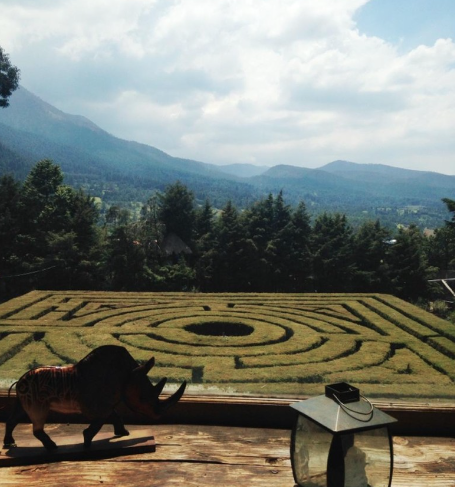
173	245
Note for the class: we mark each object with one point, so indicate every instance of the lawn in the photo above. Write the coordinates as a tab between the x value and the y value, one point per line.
267	344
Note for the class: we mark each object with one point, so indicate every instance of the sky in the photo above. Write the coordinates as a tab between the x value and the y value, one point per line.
265	82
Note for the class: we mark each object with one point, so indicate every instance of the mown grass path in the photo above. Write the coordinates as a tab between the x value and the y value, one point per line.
247	343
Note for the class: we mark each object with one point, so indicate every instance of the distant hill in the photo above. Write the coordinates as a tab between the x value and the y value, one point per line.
354	170
381	172
119	171
12	163
393	181
243	170
43	124
31	129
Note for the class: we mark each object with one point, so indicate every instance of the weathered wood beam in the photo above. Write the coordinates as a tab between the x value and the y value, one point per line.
261	412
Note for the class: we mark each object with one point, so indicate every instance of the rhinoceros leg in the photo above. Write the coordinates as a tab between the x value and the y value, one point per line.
91	431
17	415
96	425
119	426
38	419
45	439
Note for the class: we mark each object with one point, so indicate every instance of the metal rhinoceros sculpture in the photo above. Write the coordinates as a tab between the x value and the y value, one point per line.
94	387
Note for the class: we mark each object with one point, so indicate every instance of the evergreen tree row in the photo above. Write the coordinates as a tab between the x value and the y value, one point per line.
53	237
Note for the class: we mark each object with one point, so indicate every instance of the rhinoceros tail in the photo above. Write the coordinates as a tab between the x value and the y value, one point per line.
11	388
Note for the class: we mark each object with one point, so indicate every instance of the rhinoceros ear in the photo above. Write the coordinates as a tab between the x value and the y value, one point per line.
145	368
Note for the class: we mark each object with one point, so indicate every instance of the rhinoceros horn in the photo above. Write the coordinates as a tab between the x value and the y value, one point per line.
160	386
164	404
159	405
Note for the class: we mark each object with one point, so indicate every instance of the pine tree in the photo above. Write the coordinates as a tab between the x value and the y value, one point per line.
258	224
370	247
206	242
9	223
281	213
56	230
126	261
299	258
233	253
407	266
177	212
332	247
204	220
441	250
279	248
10	260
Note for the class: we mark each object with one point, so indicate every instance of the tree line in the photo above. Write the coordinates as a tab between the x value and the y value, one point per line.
53	236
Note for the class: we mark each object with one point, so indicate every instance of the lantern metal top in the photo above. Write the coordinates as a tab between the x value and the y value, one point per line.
342	409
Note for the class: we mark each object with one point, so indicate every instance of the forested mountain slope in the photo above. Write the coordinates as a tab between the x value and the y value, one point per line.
119	171
32	129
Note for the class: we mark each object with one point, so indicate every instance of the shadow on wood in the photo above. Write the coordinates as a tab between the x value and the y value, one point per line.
70	447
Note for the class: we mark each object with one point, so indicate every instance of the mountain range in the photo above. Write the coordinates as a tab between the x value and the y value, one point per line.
118	170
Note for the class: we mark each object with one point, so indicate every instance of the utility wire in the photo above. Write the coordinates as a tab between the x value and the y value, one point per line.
28	273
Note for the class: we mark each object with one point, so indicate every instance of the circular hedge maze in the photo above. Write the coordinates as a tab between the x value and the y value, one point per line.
263	344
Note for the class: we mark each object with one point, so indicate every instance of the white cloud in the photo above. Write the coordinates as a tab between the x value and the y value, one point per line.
290	81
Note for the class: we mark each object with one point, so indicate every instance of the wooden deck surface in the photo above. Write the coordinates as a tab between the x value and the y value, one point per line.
202	456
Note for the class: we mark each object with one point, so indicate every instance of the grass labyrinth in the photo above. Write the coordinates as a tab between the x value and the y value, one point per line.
245	343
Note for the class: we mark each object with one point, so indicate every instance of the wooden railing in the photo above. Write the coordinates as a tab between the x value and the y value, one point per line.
261	412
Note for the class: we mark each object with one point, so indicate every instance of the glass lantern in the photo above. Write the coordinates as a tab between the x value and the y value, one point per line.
341	440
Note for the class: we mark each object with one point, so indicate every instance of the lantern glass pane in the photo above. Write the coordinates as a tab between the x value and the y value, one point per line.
310	453
367	459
